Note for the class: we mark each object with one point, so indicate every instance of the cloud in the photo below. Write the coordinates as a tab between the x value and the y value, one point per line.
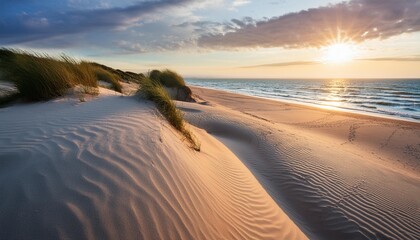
212	27
25	27
130	47
393	59
238	3
355	20
306	63
284	64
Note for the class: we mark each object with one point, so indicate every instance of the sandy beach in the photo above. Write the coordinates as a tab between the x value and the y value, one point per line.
337	175
112	168
210	120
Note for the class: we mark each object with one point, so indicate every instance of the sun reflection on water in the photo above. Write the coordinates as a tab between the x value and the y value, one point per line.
335	88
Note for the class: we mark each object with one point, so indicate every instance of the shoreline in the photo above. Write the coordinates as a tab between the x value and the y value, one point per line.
114	168
331	172
358	132
111	167
344	111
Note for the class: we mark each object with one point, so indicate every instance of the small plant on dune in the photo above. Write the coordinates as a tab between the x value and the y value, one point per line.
122	75
82	72
155	92
41	77
154	75
106	76
167	78
170	78
37	77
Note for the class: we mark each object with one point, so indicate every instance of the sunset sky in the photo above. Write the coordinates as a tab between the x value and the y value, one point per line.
217	38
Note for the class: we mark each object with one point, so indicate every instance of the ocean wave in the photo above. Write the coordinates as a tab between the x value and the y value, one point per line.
366	106
391	97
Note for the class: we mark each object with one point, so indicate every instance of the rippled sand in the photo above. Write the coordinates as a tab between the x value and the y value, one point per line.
111	168
337	175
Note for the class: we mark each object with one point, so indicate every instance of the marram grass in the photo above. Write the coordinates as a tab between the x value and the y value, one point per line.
155	92
106	76
41	77
167	78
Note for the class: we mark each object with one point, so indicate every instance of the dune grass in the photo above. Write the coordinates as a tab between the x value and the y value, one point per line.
154	75
155	92
41	77
122	75
109	77
167	78
82	72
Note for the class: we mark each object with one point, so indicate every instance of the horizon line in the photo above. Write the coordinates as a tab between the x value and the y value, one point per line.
305	78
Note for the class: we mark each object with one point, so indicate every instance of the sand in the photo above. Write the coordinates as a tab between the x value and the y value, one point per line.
337	175
112	168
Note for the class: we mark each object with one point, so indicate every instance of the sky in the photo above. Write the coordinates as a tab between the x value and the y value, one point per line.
226	39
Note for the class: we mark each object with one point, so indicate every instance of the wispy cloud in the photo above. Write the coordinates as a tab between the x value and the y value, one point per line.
355	20
238	3
212	27
393	59
283	64
306	63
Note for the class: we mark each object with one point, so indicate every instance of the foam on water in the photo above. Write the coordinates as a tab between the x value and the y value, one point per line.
390	97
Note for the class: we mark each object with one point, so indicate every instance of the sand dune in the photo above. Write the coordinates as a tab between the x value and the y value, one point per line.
110	168
332	186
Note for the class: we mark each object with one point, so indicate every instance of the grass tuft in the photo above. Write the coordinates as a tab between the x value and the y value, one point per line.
106	76
155	92
154	75
171	79
41	77
82	72
167	78
123	76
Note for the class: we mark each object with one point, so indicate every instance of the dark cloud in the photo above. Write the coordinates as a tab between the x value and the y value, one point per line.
204	27
25	27
212	27
355	20
284	64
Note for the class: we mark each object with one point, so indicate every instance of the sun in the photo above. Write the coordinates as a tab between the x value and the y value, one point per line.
339	53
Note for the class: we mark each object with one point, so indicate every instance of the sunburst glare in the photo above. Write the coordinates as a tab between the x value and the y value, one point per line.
338	53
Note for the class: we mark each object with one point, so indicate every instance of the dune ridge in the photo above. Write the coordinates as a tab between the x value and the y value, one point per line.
111	168
330	189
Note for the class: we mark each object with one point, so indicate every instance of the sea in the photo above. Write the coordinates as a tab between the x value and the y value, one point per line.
396	98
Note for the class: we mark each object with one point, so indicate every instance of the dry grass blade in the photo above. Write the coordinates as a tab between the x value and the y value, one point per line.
156	93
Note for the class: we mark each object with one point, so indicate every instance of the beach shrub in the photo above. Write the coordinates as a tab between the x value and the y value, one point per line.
106	76
155	92
41	77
